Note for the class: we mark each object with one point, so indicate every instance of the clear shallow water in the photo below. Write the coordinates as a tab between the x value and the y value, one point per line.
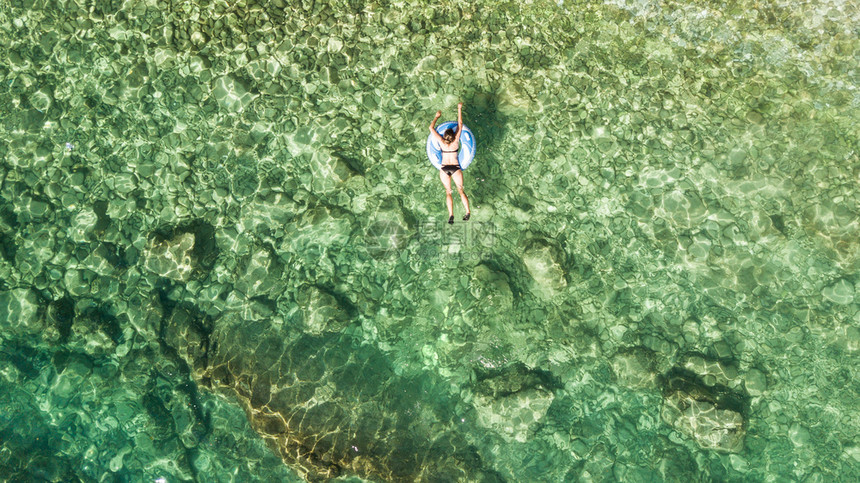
223	248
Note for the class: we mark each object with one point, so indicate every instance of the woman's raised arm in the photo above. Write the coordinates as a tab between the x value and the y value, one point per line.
433	126
459	121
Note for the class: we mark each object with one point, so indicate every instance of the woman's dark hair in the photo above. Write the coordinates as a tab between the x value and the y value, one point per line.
448	136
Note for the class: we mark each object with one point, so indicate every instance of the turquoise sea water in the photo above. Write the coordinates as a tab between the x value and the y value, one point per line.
224	255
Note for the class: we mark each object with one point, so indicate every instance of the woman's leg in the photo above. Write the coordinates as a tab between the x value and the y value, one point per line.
458	179
446	180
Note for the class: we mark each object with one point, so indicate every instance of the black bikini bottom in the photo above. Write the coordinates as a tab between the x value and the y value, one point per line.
450	169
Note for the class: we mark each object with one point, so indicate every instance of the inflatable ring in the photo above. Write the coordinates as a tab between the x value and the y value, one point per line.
467	146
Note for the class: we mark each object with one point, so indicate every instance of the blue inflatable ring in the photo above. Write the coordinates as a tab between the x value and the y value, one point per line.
467	146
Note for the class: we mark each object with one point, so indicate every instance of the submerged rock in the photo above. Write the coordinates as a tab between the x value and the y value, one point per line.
171	258
328	405
711	415
634	367
95	331
513	416
514	99
19	312
182	253
513	378
41	99
841	293
388	230
259	273
322	312
232	94
331	170
542	262
491	287
512	399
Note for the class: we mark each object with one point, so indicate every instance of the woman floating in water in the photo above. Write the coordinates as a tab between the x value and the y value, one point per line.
449	143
